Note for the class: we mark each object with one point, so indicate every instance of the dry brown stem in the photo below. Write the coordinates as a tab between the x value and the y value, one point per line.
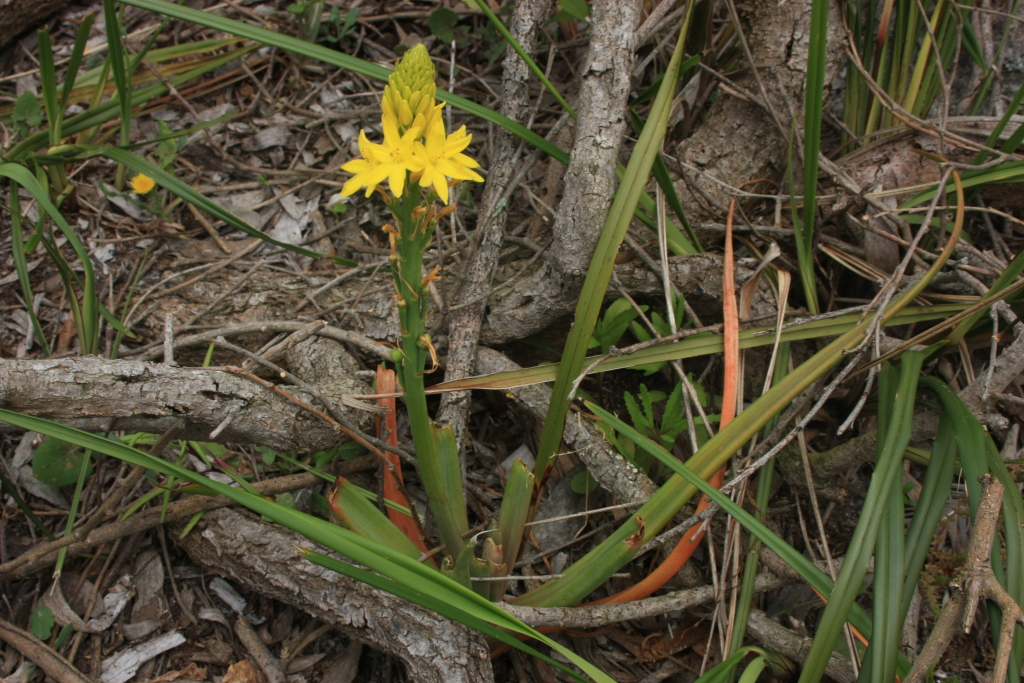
976	581
35	650
589	182
269	664
794	646
464	323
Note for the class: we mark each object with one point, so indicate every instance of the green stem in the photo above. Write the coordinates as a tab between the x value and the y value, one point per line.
435	454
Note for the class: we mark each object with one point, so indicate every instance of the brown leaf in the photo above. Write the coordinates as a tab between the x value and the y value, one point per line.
192	672
242	672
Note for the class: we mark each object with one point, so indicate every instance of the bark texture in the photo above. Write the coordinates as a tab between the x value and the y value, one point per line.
18	16
794	646
264	305
737	140
104	395
625	482
464	324
699	276
590	180
262	557
268	296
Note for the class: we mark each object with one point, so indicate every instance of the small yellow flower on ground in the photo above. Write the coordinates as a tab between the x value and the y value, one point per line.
142	184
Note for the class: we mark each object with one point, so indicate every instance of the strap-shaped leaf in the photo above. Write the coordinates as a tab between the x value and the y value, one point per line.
398	574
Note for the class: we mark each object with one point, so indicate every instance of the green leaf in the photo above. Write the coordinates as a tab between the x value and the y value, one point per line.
86	315
893	438
807	569
350	507
753	670
673	421
515	507
57	462
577	9
268	454
350	21
27	110
76	59
346	451
48	84
448	609
640	420
41	622
397	573
620	215
168	147
813	107
610	328
18	254
442	23
699	345
583	482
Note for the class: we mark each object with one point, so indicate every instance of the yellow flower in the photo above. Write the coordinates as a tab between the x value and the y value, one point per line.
410	91
390	161
142	184
441	158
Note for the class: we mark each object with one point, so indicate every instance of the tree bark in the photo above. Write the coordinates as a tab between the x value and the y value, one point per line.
590	180
737	140
18	16
464	324
107	395
261	556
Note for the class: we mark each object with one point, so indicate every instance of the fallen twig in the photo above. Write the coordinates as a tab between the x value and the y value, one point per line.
32	648
269	664
595	616
46	554
976	581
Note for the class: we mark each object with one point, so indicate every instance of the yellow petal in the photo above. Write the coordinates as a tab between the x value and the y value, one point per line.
396	180
142	184
357	166
405	113
350	186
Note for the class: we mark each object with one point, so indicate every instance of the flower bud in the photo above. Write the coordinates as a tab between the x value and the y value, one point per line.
410	89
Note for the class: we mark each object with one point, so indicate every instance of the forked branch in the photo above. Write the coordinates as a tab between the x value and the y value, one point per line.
975	582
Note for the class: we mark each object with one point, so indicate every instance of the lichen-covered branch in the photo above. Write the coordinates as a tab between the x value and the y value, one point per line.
464	323
262	557
110	395
590	180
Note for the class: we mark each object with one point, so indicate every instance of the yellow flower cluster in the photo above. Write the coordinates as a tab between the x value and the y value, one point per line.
415	139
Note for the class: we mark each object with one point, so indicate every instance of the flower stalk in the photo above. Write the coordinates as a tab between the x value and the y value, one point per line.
416	159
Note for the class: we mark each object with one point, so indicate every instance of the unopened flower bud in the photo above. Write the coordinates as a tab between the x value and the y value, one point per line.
410	90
